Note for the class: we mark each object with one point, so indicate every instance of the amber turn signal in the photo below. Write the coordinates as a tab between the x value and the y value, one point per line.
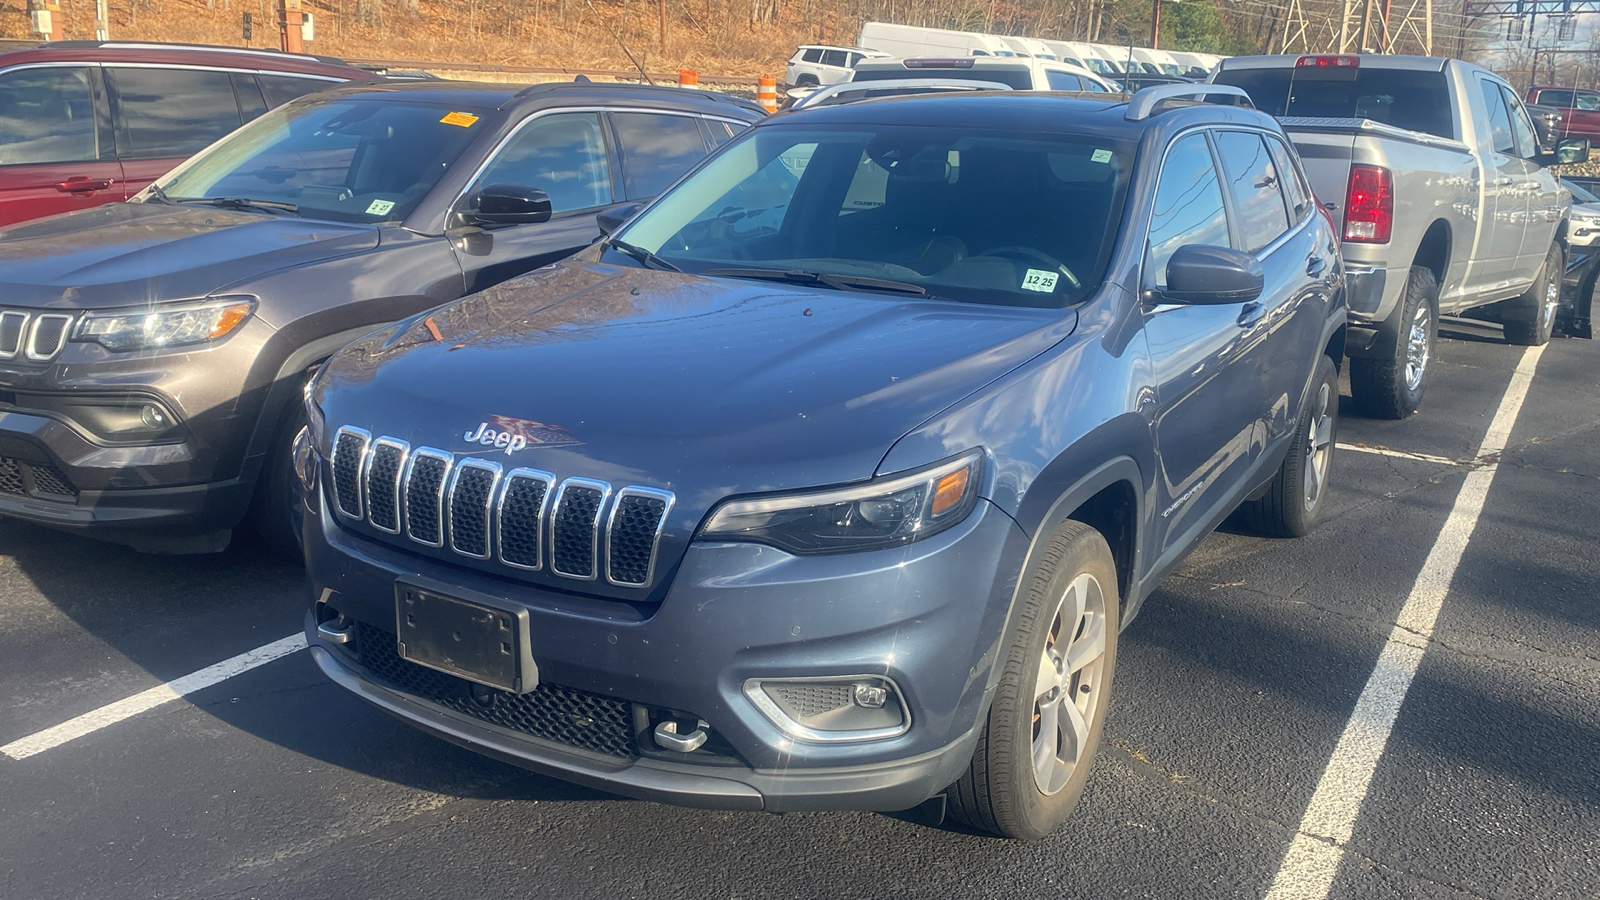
949	490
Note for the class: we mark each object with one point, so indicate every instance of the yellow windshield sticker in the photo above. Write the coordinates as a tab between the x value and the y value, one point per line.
465	120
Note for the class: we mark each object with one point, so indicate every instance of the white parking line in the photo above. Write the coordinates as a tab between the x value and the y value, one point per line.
111	714
1404	454
1309	867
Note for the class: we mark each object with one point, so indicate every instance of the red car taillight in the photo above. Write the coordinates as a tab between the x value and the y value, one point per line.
1369	205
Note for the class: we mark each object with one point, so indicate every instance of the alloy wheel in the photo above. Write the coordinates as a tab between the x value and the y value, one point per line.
1417	349
1067	690
1319	445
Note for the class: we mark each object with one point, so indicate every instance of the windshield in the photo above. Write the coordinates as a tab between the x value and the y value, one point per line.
982	216
345	160
1018	77
1579	194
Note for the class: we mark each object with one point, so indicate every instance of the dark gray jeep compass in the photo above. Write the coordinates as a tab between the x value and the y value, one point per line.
829	479
153	354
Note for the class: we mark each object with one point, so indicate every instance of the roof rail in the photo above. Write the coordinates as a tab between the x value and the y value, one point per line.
1152	100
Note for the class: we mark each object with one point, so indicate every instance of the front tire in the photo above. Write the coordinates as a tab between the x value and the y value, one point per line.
1536	309
1043	729
1293	500
271	513
1392	388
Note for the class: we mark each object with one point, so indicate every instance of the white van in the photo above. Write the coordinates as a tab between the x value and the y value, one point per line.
1087	56
1030	47
911	40
1119	57
1161	60
1020	73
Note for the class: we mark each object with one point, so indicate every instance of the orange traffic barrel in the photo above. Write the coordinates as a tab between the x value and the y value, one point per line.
767	93
688	78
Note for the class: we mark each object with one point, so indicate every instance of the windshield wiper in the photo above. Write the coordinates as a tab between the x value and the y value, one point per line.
157	193
825	279
237	203
644	256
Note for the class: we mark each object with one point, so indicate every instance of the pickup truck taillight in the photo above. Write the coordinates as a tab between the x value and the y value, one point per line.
1369	205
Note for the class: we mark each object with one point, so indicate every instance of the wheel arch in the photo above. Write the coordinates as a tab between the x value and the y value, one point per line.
1109	499
1433	253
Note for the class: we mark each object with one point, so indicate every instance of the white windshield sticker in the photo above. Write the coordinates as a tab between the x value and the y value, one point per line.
379	207
1040	280
1101	156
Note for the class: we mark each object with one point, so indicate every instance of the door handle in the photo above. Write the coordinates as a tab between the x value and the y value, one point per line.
1250	315
82	184
1315	265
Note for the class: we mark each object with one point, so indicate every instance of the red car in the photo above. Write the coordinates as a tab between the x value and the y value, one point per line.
85	122
1580	110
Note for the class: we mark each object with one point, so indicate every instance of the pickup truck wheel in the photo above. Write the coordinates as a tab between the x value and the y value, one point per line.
1039	741
1536	309
1290	506
1393	388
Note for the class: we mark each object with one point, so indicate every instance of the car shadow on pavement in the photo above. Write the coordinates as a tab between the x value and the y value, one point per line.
168	616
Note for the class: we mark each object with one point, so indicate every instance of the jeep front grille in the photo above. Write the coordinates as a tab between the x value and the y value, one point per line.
35	337
521	519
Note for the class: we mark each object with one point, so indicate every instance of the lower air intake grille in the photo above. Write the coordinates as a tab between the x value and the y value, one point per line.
41	480
47	479
550	712
11	476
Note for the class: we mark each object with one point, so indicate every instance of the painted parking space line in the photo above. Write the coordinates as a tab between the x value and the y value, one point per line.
1312	861
1406	454
112	713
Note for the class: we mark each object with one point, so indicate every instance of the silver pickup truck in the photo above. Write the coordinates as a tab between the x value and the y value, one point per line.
1432	173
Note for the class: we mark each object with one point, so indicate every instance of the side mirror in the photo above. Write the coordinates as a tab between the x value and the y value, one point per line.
613	217
1199	273
508	204
1569	150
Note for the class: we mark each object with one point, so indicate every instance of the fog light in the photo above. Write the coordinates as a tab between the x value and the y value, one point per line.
832	708
154	417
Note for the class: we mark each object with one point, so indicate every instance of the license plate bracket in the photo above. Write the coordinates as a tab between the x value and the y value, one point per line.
478	639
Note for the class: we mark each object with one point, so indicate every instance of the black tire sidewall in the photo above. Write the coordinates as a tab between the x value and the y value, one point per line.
1034	814
1298	520
1421	288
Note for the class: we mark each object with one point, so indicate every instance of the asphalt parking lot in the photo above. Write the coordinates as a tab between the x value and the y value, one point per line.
1466	740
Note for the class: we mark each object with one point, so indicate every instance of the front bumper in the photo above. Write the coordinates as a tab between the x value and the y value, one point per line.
929	616
53	475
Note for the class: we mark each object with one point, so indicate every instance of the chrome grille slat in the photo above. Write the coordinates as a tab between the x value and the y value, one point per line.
524	519
350	446
471	491
633	532
13	328
520	511
423	495
575	528
383	483
47	336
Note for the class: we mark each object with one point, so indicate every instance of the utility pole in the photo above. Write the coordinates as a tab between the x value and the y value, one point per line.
290	22
661	16
1155	24
1344	28
1366	21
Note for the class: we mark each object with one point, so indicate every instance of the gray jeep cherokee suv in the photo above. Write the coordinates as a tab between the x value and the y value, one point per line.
153	354
829	480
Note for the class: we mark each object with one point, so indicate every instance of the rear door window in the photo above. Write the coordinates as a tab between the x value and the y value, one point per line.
280	89
813	55
170	112
1253	180
248	92
656	148
835	58
47	116
1188	207
563	155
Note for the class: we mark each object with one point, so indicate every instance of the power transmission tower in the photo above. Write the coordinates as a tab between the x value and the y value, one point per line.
1295	38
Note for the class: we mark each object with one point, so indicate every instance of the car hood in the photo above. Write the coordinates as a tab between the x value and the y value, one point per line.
704	387
124	254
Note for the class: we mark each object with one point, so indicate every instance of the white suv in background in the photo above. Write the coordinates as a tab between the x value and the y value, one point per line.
1021	73
814	65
